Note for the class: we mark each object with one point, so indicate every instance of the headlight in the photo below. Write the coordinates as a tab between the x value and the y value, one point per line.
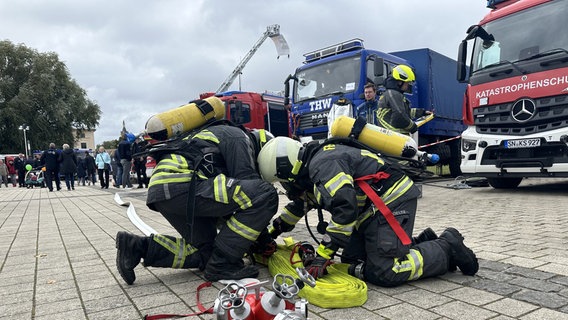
468	145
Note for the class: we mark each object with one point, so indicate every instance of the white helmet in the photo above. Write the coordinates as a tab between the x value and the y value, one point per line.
278	159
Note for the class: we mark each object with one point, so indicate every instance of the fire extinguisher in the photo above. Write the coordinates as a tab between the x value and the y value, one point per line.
234	302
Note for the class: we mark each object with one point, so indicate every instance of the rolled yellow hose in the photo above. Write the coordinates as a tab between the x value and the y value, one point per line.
337	289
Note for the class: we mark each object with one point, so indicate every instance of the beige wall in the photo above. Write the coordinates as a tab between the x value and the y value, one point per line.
88	140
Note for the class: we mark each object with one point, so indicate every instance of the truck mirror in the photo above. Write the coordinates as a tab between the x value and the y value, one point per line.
378	67
287	89
461	65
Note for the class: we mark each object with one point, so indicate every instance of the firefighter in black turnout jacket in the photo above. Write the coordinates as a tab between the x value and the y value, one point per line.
226	185
345	181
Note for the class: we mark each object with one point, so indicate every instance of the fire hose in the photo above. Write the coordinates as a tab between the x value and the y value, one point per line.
337	289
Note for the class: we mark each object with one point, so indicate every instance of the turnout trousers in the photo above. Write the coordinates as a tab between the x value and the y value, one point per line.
247	207
388	263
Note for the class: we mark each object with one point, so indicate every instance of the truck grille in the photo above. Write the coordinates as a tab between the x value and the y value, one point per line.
543	156
312	121
551	113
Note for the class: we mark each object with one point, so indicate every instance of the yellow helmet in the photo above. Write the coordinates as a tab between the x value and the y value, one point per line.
403	73
277	159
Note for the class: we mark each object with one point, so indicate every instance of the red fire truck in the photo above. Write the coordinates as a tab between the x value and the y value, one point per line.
516	102
255	110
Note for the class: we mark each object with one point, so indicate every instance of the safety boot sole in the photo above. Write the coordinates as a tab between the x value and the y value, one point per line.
126	273
462	256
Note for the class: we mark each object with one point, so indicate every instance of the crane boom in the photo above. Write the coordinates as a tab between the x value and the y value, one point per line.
271	31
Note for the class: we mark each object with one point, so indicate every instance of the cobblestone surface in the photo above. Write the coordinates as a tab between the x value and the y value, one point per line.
57	258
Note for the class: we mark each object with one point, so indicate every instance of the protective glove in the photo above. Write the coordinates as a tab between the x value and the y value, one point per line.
264	245
414	128
278	227
318	266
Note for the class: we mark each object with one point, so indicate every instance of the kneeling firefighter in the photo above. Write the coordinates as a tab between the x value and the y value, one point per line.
212	175
372	205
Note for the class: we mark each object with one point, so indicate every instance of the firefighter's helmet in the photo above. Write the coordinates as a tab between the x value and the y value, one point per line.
259	138
403	73
278	159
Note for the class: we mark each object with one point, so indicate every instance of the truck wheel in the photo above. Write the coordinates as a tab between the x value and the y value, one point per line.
455	158
504	183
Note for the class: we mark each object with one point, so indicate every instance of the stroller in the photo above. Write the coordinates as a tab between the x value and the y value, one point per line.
35	178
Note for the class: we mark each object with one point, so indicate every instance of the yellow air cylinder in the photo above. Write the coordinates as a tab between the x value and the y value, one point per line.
167	124
383	140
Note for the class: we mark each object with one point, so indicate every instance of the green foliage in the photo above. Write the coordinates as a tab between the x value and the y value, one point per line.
109	145
37	90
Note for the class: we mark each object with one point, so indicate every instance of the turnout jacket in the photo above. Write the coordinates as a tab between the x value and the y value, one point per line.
225	149
394	111
332	172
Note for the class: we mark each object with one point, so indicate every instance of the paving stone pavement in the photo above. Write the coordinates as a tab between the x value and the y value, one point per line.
57	258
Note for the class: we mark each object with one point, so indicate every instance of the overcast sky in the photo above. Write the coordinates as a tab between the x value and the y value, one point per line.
139	58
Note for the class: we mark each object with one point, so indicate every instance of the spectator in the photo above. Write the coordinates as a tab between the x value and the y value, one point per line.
12	172
81	171
3	174
103	166
116	169
125	153
20	164
68	166
368	108
50	159
140	163
91	168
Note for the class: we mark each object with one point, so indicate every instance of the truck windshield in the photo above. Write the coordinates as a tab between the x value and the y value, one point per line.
340	76
522	35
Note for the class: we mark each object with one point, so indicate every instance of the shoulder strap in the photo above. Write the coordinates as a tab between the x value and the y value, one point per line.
385	211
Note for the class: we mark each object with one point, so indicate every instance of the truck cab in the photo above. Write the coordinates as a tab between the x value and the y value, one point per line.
328	74
516	103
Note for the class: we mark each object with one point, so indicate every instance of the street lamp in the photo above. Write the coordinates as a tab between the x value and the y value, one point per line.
25	128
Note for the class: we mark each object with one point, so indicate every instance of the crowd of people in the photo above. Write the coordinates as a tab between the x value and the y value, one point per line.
76	168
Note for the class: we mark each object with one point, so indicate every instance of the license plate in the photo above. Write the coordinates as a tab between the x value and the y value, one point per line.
522	143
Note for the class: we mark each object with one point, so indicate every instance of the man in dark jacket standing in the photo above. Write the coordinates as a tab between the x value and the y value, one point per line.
124	150
140	163
91	168
68	166
20	164
50	159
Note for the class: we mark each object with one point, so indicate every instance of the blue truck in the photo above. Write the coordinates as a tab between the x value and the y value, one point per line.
342	70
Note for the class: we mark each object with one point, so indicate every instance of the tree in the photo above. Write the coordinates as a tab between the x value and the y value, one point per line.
37	90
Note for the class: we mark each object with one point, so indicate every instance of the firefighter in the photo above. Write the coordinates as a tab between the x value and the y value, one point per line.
333	177
394	111
226	185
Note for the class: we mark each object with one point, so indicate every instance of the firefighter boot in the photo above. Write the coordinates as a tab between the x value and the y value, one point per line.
426	235
460	255
223	266
130	250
